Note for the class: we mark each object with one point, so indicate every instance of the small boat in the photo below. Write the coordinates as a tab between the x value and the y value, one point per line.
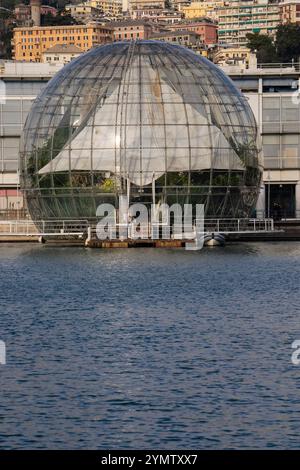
214	239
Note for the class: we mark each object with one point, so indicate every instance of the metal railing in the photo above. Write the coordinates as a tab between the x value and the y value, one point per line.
82	227
278	65
239	225
62	227
165	231
44	227
18	227
13	214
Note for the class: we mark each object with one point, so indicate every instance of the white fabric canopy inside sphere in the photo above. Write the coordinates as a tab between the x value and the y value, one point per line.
144	138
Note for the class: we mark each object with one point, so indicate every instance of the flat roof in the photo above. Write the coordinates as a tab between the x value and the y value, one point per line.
66	48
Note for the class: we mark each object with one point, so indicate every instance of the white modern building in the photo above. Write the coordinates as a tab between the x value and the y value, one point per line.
20	84
273	94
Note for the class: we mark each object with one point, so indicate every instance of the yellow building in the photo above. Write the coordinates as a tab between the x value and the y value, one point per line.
233	56
145	4
79	9
207	9
112	7
30	43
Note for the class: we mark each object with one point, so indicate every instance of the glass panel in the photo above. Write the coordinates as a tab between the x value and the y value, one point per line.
127	115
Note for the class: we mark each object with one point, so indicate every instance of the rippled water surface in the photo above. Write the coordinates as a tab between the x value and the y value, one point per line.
150	348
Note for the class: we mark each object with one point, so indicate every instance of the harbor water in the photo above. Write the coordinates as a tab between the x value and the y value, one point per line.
150	348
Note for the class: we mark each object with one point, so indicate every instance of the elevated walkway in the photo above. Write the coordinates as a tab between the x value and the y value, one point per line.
84	232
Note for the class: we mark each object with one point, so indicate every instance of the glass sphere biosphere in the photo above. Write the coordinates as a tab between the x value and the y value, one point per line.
146	119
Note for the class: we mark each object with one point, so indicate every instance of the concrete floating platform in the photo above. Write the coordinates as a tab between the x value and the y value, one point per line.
106	244
135	243
264	237
112	244
169	243
218	232
230	238
19	238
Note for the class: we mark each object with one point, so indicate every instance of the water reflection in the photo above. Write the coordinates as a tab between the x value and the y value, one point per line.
150	348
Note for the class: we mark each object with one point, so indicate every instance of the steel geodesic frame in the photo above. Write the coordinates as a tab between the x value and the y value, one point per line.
148	119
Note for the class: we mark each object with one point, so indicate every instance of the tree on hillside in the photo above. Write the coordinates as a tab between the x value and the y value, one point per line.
10	4
60	4
263	46
288	42
7	23
61	19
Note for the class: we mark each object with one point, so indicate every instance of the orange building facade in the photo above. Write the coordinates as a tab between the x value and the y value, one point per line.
207	30
30	43
130	30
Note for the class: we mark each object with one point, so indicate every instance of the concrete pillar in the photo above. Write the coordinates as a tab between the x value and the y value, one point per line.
36	12
261	203
252	61
297	198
